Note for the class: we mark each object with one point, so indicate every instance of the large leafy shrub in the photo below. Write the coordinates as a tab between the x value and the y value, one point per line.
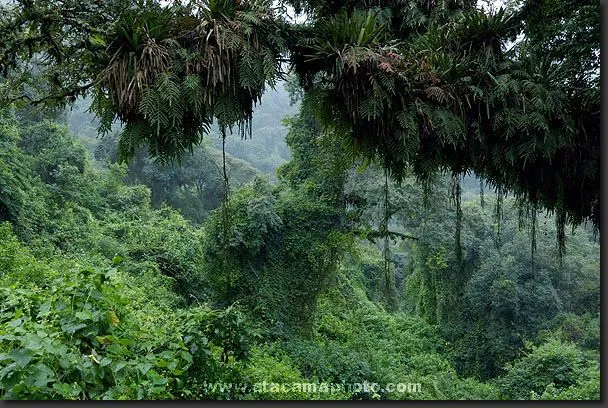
72	331
553	370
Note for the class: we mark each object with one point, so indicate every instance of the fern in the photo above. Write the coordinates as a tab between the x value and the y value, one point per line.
192	93
132	136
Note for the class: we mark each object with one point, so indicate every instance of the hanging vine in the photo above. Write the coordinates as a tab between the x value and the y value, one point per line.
386	254
226	181
457	202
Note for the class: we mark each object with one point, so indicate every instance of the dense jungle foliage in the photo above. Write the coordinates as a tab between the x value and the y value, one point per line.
416	215
114	291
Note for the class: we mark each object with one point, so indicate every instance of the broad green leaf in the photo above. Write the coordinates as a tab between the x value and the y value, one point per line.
21	356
